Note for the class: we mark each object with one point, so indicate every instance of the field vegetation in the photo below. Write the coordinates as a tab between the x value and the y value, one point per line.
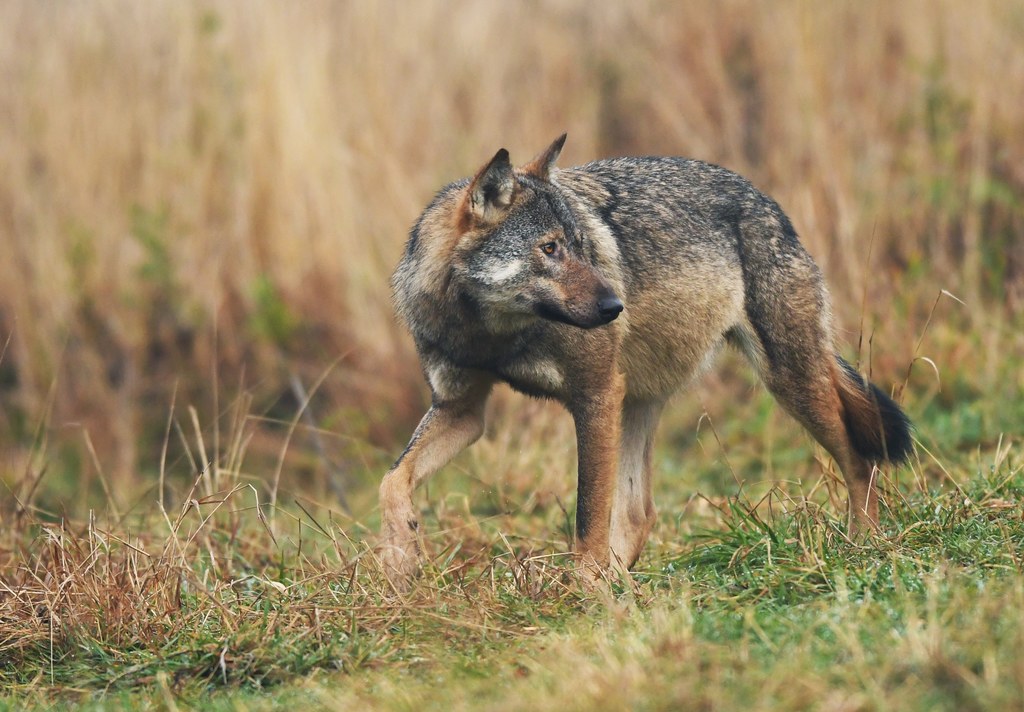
202	381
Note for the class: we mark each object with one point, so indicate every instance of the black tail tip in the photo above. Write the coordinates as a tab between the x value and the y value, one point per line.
898	443
879	430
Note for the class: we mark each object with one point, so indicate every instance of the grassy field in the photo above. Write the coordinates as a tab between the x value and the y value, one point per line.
738	604
201	380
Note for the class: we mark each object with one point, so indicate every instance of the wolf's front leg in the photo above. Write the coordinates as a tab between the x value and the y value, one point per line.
597	412
447	428
633	513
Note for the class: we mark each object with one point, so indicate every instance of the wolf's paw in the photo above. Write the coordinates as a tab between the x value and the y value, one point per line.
400	560
591	577
861	529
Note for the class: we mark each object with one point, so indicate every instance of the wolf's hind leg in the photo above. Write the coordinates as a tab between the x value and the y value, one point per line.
800	374
445	430
815	402
633	513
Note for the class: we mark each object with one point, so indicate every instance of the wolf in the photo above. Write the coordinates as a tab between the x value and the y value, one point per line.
608	287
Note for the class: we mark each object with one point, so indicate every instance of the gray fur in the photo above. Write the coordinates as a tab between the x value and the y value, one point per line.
698	256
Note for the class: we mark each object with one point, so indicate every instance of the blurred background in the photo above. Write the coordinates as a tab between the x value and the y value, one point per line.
201	204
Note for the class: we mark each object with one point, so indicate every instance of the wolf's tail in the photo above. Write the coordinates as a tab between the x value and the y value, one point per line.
878	429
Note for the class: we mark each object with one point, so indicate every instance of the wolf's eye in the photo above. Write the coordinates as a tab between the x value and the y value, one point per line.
548	248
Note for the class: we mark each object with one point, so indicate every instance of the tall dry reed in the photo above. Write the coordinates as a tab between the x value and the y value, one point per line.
204	199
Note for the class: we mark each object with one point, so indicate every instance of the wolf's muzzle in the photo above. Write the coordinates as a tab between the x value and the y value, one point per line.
609	307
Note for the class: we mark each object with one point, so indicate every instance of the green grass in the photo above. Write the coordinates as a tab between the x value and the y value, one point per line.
762	606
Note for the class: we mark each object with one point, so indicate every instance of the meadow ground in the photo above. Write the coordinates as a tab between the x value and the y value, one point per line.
201	380
751	601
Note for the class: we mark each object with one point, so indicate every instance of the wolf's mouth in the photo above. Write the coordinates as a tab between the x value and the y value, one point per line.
606	311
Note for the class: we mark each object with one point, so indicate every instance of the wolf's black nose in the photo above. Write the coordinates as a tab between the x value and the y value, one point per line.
609	307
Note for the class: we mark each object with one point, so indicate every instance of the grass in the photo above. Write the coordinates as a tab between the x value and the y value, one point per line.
201	380
767	612
751	598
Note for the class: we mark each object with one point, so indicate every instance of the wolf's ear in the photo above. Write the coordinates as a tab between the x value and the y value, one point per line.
540	167
490	193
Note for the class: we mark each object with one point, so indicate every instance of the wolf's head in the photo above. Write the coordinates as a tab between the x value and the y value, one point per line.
520	252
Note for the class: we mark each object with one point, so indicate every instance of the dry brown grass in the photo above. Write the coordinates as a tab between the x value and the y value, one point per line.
768	608
209	597
207	198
